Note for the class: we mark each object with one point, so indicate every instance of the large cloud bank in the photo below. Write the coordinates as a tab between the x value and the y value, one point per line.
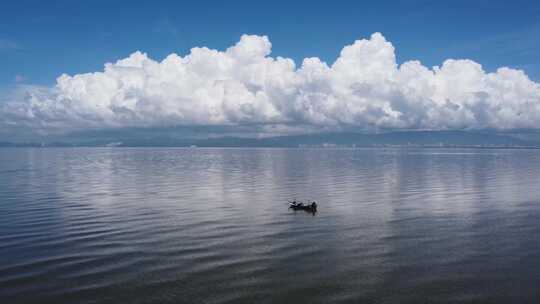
363	89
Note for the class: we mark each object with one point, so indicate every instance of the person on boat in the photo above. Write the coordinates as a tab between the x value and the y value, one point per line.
314	205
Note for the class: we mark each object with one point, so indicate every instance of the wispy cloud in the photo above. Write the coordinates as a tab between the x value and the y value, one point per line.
515	43
165	25
520	47
19	78
6	44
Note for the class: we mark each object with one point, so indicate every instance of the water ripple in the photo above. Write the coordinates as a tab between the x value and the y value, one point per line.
212	225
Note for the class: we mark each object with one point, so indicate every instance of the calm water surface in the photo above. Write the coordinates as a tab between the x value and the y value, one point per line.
212	226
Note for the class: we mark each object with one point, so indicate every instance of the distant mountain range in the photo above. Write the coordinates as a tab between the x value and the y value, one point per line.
169	138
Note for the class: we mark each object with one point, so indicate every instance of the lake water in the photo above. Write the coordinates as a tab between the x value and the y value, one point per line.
153	225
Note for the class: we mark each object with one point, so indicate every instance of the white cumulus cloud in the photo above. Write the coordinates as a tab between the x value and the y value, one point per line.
363	89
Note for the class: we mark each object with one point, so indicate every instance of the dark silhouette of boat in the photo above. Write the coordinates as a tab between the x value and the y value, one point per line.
298	205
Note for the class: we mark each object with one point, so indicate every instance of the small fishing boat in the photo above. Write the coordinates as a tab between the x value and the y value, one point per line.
298	205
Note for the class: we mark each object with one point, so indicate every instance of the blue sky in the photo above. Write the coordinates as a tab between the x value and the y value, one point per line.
39	40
